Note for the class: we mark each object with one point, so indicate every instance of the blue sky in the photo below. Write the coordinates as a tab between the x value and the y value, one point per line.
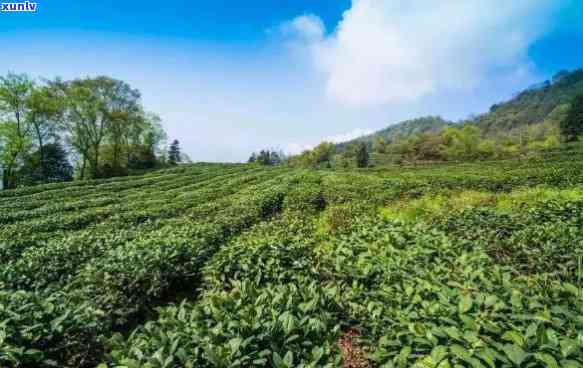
229	77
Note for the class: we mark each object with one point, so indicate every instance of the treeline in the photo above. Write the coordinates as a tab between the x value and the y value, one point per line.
268	157
464	142
469	142
57	130
325	155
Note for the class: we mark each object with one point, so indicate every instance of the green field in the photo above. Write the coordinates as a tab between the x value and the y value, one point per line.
225	265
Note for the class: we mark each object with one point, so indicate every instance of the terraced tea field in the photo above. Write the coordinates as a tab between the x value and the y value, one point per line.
226	265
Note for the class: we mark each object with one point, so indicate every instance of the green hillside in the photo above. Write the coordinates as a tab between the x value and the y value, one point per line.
392	133
532	106
224	265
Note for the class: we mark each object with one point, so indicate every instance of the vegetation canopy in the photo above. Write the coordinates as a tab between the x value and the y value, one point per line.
216	265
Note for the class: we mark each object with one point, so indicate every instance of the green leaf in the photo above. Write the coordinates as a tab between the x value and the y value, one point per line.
438	354
235	344
288	322
552	337
404	356
288	359
317	354
465	303
515	354
568	347
491	300
515	337
277	360
516	300
489	356
549	361
571	288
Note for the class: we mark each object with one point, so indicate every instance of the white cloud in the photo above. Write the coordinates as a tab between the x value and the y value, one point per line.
394	51
307	27
353	134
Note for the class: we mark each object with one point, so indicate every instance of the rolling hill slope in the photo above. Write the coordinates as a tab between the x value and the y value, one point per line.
392	133
212	265
531	106
534	104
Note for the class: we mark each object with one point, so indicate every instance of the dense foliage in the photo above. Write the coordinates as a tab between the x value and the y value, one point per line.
533	105
450	265
572	125
402	130
534	120
267	157
97	124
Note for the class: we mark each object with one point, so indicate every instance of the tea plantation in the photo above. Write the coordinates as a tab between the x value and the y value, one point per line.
229	265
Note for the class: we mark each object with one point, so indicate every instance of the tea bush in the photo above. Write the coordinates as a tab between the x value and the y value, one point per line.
450	265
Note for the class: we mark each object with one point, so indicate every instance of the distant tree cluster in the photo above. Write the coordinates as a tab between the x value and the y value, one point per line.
572	124
320	156
467	143
326	155
88	128
461	142
174	157
267	157
533	105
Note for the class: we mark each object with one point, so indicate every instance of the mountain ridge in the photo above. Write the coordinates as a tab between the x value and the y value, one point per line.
528	107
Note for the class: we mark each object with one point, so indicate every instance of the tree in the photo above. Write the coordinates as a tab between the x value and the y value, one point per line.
45	113
56	166
407	148
15	91
572	126
322	155
101	118
13	147
267	157
428	147
380	145
461	143
144	140
361	155
98	107
174	153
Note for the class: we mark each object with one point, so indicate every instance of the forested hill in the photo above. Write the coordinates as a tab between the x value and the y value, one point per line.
427	124
531	106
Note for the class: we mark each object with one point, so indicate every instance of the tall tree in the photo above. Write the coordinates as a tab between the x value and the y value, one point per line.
572	125
174	156
153	135
13	149
56	166
97	108
144	141
45	115
15	91
361	155
461	143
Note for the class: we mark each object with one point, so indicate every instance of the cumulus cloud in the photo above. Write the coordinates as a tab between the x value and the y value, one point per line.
393	51
307	27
